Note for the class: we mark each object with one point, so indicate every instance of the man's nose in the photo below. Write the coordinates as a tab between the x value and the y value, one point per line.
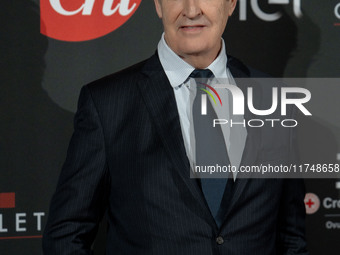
191	8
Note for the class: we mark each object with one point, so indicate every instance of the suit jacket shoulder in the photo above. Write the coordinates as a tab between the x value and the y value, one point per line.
125	77
240	70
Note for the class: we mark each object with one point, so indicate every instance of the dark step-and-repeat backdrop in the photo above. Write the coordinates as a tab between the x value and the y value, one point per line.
51	48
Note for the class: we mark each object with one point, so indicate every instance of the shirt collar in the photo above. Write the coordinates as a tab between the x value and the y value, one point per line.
178	71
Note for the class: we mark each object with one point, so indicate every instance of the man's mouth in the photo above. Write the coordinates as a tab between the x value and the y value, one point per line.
192	28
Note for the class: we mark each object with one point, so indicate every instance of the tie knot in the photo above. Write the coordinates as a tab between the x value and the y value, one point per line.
201	73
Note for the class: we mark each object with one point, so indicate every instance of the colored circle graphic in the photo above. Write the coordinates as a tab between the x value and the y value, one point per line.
312	203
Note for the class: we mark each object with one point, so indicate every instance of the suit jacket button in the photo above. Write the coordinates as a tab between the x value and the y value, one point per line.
219	240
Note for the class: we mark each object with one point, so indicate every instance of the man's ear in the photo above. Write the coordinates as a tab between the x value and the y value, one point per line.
158	8
232	6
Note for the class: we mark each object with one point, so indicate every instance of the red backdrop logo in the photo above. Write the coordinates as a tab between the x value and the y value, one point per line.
7	200
81	20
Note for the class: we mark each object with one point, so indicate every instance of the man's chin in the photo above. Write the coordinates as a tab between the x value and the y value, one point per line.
193	49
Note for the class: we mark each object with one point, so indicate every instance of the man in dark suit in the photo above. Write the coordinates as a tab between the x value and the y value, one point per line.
129	156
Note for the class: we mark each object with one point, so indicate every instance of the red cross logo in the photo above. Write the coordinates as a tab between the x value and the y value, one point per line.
312	203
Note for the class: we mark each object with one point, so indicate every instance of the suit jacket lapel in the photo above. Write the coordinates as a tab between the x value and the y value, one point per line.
160	100
242	75
253	139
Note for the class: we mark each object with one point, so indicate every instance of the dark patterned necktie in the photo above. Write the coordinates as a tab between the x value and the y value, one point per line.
210	146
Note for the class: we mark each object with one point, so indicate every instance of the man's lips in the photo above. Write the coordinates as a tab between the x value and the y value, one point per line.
192	27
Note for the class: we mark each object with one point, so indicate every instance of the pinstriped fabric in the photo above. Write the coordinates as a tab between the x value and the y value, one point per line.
127	156
85	160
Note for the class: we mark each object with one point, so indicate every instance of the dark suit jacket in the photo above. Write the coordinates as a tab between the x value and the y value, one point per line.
127	155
